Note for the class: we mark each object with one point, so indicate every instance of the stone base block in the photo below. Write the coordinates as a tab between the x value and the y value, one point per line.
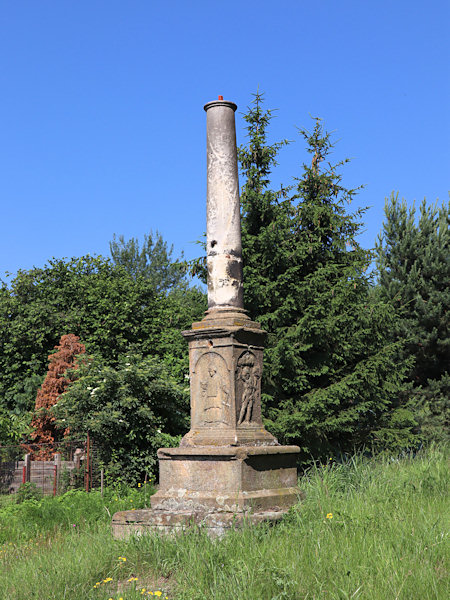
141	522
218	488
224	471
238	502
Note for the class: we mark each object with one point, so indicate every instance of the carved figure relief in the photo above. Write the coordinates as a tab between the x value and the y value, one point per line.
214	390
249	375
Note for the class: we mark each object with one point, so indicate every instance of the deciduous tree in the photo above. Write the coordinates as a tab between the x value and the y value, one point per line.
152	260
130	410
111	311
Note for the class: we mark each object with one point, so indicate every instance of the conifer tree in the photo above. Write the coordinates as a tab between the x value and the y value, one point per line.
55	383
413	261
330	381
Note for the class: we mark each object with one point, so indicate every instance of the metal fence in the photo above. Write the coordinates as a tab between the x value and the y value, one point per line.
53	468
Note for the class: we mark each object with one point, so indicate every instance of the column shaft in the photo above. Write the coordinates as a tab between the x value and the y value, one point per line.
223	232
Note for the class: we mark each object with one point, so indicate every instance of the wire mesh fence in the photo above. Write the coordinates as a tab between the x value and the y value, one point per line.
53	468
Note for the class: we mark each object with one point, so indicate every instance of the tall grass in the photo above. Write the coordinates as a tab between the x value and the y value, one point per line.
384	538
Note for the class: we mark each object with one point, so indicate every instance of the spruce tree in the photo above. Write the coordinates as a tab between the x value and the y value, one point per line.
330	381
413	261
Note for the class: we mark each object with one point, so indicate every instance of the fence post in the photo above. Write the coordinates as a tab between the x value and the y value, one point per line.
24	474
55	475
101	482
27	467
57	458
87	462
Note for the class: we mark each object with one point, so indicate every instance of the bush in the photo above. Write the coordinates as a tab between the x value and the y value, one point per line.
28	491
129	411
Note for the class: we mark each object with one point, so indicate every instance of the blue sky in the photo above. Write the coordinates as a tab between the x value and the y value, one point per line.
102	128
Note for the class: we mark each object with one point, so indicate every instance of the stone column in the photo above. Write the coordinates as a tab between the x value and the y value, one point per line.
223	222
228	469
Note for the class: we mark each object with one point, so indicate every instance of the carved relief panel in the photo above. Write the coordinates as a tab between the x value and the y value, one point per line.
248	389
212	392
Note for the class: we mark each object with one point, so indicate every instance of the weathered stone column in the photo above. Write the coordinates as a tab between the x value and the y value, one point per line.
226	347
228	469
223	221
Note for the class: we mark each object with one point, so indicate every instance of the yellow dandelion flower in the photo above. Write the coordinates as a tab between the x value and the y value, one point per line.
158	593
139	484
329	515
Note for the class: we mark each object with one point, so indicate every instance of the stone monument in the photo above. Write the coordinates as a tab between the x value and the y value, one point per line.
228	469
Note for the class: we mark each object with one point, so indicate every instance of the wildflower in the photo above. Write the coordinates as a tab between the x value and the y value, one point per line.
329	515
132	579
139	484
158	593
107	579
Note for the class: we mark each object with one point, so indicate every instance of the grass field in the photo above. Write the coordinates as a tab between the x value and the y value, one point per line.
367	529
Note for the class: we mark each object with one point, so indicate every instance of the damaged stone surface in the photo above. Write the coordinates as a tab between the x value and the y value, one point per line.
223	220
228	470
139	522
224	488
226	361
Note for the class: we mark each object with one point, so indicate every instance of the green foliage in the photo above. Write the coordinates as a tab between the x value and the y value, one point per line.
28	491
71	511
385	537
413	261
14	427
130	411
112	312
153	261
331	380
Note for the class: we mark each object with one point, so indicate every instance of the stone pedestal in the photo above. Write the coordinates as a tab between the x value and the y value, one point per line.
217	488
225	358
228	469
